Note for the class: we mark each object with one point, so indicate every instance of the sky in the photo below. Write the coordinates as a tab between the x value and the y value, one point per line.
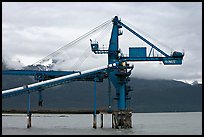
33	30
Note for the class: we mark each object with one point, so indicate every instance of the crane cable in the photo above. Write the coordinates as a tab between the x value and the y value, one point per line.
103	32
81	59
72	43
147	35
87	52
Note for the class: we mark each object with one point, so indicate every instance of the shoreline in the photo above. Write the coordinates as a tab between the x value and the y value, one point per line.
13	111
51	111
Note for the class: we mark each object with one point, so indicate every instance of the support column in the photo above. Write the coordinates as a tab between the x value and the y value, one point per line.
94	121
94	115
122	101
109	96
28	111
113	125
101	120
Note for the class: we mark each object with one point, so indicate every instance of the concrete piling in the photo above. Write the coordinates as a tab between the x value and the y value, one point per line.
29	120
122	119
101	120
94	121
28	111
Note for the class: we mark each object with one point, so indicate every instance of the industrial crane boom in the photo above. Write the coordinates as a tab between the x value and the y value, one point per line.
57	81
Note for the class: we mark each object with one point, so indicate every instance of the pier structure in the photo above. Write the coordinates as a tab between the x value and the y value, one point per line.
119	119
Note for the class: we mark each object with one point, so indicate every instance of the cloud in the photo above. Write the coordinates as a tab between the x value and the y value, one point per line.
30	31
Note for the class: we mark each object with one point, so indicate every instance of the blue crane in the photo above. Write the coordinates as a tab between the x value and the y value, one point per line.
119	77
118	71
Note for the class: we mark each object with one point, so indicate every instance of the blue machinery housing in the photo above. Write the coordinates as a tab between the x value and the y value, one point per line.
117	71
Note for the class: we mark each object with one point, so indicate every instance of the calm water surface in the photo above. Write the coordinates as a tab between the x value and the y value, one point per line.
186	123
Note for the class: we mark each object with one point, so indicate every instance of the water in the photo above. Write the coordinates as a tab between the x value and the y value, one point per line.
187	123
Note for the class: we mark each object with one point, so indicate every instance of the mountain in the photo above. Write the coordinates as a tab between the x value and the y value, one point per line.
195	83
147	95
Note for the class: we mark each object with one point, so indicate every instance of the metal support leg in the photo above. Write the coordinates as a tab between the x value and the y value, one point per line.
40	98
109	96
94	115
122	101
28	112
